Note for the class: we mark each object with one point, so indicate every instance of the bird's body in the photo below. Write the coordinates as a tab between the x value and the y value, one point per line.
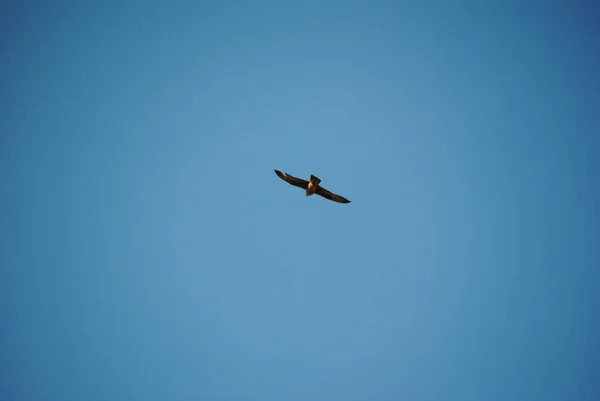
311	187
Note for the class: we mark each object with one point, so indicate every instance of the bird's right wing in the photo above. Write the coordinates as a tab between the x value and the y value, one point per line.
297	182
331	196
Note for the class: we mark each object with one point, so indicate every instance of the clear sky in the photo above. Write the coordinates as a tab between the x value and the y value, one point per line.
149	252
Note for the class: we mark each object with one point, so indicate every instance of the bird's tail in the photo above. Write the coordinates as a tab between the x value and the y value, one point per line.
315	180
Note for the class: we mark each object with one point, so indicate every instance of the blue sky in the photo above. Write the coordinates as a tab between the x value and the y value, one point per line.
149	252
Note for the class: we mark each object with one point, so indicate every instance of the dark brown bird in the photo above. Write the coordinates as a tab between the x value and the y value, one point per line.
311	187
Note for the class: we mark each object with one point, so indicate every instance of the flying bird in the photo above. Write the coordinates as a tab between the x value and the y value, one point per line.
311	187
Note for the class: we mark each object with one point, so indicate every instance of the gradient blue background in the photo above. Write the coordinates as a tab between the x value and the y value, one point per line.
149	252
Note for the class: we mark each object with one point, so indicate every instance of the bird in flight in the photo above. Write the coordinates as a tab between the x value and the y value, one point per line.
311	187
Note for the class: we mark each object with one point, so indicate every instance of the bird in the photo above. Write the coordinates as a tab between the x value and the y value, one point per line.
312	187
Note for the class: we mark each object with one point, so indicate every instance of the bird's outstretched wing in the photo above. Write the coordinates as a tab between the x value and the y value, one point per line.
297	182
330	195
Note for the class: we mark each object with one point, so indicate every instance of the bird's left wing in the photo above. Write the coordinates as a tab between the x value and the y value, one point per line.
331	196
297	182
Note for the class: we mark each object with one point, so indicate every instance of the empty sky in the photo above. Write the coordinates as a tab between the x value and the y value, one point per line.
149	252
